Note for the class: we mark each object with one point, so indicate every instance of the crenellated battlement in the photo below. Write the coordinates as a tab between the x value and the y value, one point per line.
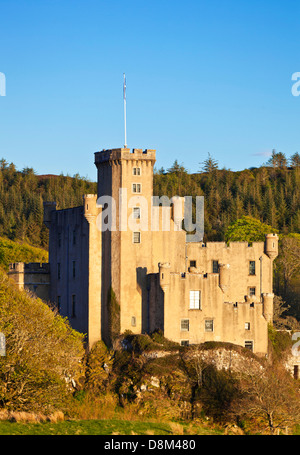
31	267
124	154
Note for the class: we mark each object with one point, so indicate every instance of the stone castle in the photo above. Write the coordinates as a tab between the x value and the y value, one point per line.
109	281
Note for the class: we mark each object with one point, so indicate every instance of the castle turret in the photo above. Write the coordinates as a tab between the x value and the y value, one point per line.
178	211
271	246
164	275
16	272
268	307
90	207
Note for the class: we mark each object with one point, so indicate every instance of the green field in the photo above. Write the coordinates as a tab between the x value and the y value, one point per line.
100	427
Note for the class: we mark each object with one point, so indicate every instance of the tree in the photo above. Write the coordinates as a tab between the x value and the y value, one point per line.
209	165
295	160
248	229
43	353
288	261
277	160
177	168
270	395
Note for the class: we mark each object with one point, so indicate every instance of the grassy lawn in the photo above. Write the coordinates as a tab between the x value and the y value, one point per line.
96	427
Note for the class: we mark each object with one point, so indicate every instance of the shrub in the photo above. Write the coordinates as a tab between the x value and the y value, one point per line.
98	366
219	389
43	353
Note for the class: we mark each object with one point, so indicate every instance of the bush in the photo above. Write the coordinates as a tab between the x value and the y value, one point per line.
98	366
280	342
219	389
43	353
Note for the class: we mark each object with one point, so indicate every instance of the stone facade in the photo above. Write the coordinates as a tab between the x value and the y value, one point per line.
137	277
34	277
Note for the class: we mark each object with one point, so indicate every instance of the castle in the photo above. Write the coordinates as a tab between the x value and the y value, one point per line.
107	281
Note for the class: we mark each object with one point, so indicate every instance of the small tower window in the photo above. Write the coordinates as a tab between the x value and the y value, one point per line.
251	267
215	266
74	269
73	306
133	321
58	271
136	237
193	263
136	171
136	188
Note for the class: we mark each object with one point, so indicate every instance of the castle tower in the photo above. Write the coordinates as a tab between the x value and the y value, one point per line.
271	246
125	189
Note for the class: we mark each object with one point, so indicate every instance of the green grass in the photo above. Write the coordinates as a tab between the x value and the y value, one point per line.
93	427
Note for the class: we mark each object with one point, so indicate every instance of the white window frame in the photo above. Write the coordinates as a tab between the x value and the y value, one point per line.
136	213
135	187
187	321
195	300
136	171
213	325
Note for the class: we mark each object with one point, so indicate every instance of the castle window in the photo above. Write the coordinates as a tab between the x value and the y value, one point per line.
133	321
136	188
251	267
252	291
58	271
184	342
73	306
136	171
247	325
184	325
136	212
193	263
74	237
215	266
74	269
59	239
136	237
249	345
195	300
209	325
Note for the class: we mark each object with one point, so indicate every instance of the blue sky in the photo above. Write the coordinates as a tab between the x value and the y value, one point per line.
203	76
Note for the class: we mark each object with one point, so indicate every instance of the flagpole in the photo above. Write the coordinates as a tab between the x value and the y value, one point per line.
124	97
